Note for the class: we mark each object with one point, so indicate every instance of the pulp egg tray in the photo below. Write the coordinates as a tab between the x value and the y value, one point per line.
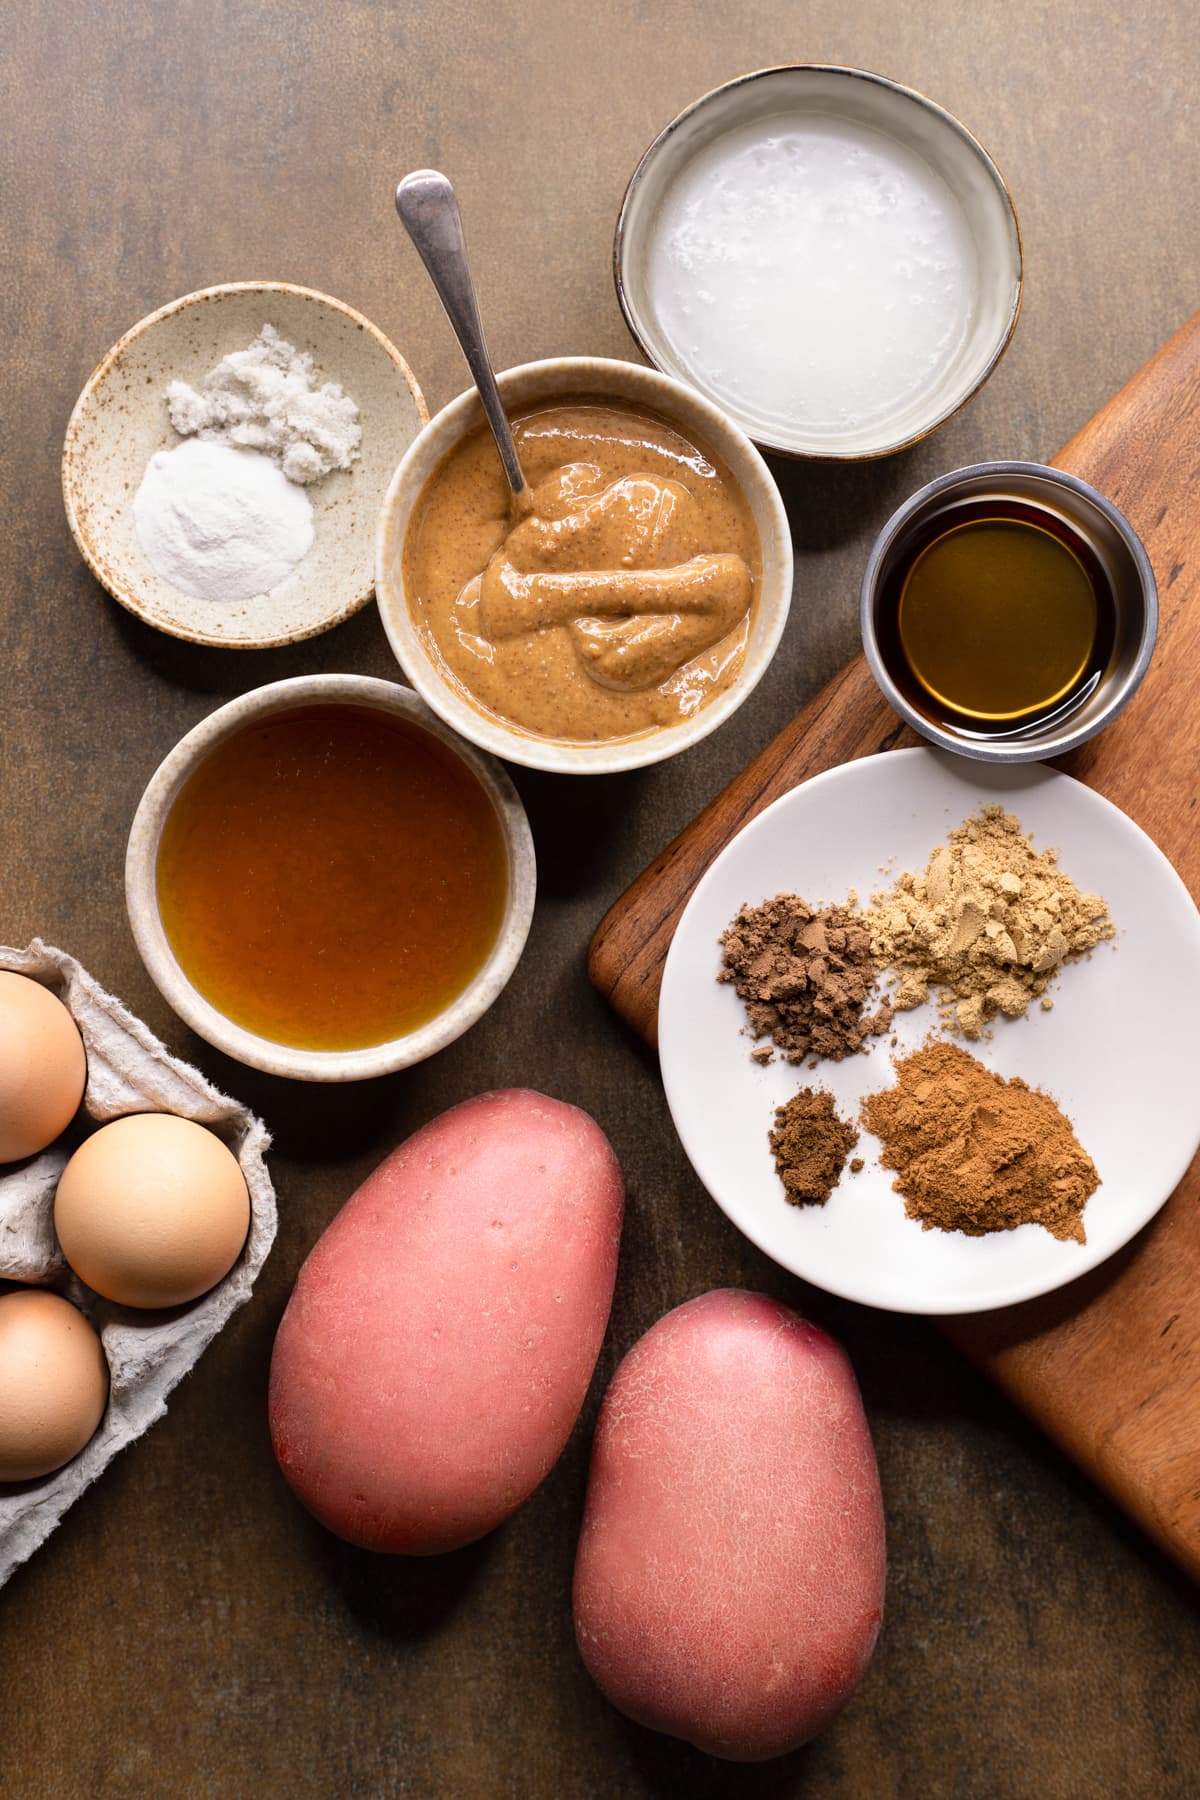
128	1071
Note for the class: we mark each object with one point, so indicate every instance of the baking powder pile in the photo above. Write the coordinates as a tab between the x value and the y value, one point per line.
221	524
806	977
985	926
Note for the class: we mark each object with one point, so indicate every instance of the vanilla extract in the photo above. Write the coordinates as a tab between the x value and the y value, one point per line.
1000	616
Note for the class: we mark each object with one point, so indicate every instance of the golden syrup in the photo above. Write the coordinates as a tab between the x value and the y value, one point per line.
1002	614
332	877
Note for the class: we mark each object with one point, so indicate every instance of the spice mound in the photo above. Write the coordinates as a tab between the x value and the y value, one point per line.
806	976
976	1153
987	925
810	1145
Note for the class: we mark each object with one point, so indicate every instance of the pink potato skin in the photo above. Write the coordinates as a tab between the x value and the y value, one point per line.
442	1333
730	1573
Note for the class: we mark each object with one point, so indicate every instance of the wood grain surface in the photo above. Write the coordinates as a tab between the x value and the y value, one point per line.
189	1633
1109	1366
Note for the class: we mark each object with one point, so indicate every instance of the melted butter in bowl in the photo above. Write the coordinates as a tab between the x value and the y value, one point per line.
328	883
622	605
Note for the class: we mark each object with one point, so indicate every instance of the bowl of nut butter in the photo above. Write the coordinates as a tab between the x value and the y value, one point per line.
621	617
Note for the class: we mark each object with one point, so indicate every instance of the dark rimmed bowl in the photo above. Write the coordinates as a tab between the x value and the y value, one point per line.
911	120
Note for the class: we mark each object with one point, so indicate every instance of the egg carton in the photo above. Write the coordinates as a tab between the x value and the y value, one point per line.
128	1071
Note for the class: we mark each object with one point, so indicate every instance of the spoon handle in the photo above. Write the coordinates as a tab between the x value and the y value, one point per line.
429	213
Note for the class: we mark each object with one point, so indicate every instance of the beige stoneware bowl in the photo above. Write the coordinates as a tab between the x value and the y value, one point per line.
141	895
120	420
584	377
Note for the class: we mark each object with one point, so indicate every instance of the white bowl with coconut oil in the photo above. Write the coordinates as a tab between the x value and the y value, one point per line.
830	257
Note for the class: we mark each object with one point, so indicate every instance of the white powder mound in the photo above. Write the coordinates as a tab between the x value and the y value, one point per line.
219	523
267	398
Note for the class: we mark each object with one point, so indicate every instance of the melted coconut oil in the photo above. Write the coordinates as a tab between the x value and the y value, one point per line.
816	274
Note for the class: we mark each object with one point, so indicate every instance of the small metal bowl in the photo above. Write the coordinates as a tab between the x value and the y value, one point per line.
176	986
801	93
1115	544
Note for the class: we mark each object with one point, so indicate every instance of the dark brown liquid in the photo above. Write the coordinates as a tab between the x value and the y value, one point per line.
999	616
332	877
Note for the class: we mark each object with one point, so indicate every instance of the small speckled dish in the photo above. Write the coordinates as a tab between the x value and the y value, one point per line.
120	420
812	93
174	984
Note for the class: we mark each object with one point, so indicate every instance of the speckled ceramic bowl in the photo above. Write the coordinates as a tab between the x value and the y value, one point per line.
120	420
172	981
612	383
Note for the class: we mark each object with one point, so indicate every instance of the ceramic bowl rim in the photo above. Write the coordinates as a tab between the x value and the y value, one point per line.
956	125
675	401
1032	749
207	1020
125	595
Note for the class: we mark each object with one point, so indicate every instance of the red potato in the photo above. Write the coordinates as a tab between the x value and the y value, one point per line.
442	1333
730	1573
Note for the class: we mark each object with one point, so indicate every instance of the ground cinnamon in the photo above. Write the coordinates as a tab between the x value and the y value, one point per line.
976	1153
810	1145
806	977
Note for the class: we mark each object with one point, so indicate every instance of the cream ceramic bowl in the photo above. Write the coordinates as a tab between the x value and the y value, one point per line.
545	382
172	981
120	420
817	91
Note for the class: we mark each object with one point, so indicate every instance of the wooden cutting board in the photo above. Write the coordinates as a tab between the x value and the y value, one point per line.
1109	1366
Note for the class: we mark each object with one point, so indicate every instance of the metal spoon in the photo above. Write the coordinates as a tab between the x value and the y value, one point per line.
429	213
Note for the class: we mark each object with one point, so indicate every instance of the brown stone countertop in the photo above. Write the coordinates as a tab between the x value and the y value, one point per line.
189	1631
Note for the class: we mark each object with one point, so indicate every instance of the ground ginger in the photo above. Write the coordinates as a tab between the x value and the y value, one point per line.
985	927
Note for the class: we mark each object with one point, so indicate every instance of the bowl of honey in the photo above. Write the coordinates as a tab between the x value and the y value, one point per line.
325	882
1008	611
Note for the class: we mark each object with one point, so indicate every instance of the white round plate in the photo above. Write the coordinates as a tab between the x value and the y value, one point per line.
1118	1052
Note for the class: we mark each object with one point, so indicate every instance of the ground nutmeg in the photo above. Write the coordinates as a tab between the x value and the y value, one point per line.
810	1144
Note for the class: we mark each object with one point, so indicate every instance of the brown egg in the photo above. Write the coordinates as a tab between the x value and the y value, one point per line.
53	1383
42	1067
152	1210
